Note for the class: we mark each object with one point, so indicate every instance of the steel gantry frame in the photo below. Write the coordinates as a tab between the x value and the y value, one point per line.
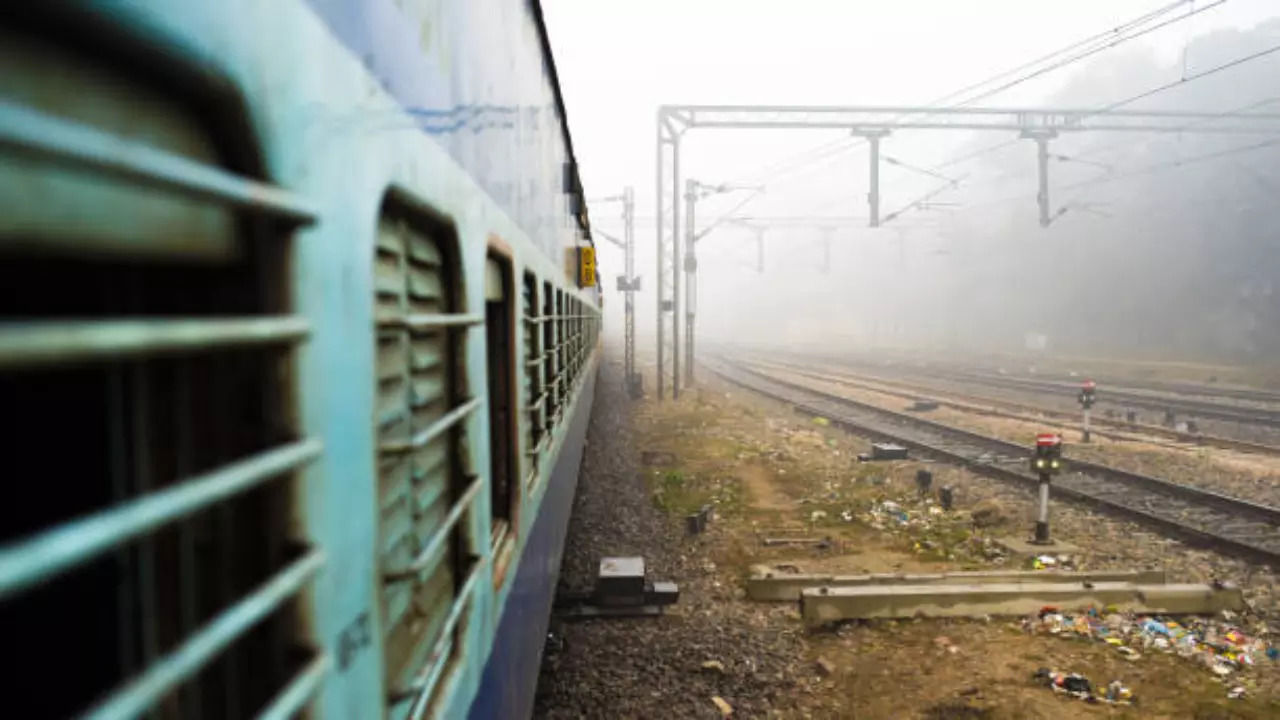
874	123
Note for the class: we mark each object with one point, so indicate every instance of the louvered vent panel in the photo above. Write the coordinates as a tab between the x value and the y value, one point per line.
419	415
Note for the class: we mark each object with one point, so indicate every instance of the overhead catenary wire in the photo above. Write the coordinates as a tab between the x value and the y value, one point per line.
844	144
1173	164
1095	44
1092	51
1077	51
1129	145
1191	78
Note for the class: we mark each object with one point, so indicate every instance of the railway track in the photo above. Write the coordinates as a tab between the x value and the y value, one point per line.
1175	388
1220	522
1202	409
1103	427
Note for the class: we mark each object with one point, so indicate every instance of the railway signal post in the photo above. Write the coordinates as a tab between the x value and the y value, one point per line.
1046	463
1086	400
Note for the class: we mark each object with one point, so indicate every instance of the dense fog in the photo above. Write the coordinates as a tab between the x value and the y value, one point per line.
1161	245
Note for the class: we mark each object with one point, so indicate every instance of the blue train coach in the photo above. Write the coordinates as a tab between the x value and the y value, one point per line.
298	338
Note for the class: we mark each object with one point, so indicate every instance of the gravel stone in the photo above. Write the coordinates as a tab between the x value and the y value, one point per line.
652	667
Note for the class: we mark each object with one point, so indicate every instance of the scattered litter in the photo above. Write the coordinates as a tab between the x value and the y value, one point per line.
1215	643
1079	687
1053	562
1236	693
1119	694
821	421
713	666
817	515
725	708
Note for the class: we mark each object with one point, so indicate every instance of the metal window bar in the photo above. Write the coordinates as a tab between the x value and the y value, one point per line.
300	690
49	343
424	683
532	370
434	430
27	563
35	133
542	445
419	276
429	321
550	337
441	535
186	660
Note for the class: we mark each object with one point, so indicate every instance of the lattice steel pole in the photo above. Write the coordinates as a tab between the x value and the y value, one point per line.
629	269
690	275
675	267
1042	138
661	262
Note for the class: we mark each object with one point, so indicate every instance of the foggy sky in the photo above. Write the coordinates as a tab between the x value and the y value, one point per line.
974	275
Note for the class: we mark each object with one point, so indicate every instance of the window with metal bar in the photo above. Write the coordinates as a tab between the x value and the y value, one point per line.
550	358
421	406
149	565
500	355
535	401
562	353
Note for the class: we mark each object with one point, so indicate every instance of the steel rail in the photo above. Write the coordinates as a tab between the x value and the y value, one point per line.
1200	517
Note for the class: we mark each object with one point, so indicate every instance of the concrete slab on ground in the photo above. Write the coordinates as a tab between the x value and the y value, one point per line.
1025	547
825	605
765	585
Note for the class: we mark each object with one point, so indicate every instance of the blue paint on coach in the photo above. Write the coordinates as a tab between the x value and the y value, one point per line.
511	675
463	69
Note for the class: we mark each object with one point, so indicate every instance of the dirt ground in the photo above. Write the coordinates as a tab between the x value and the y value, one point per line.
769	471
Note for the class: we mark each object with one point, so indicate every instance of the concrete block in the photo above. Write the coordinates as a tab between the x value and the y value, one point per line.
825	605
786	587
1024	547
621	577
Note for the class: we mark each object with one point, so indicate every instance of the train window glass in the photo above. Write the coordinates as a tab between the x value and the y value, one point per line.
425	489
500	352
148	350
535	399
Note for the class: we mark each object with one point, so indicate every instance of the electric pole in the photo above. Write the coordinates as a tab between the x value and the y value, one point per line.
873	136
695	191
1042	138
628	284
